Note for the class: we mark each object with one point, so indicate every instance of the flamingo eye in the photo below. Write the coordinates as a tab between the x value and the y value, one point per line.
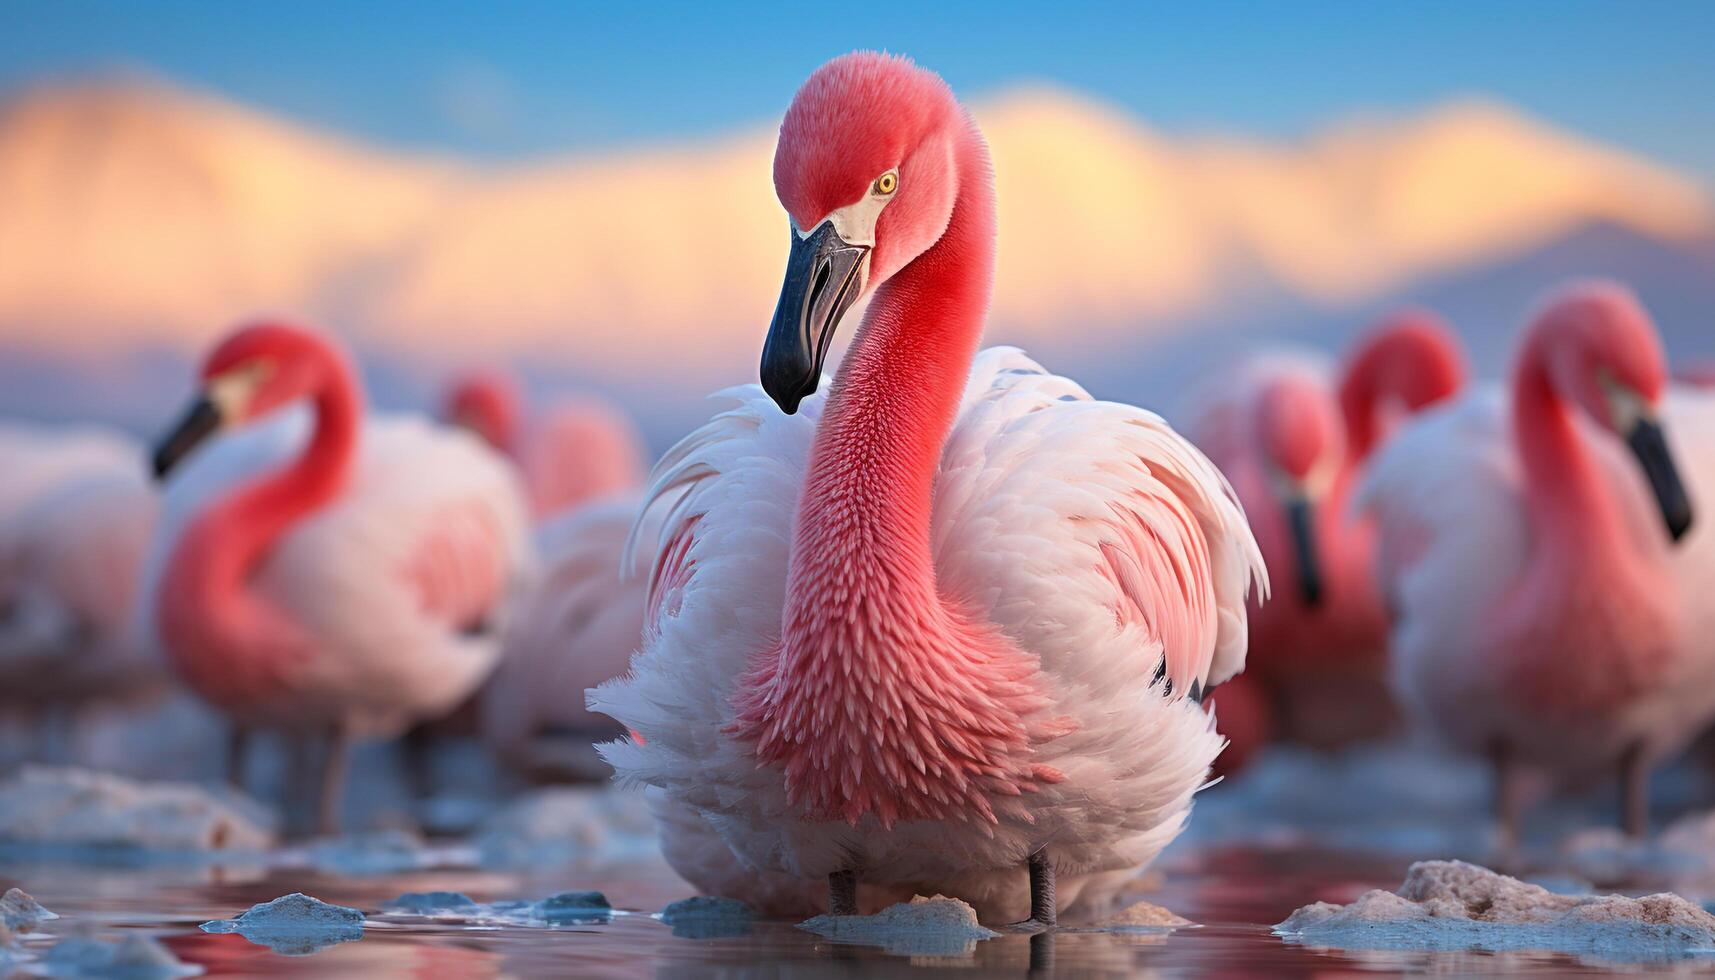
887	183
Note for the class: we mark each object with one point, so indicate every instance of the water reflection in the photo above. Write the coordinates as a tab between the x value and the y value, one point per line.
1237	892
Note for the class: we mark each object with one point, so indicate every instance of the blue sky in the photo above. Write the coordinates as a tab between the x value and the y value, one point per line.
519	79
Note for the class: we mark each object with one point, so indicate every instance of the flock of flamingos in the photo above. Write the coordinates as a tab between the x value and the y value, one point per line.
951	625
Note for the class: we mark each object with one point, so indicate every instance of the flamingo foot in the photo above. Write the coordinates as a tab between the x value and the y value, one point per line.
237	753
1043	910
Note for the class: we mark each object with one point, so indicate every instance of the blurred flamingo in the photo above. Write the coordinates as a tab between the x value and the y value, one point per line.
76	509
575	628
941	629
578	449
346	583
1293	442
1698	373
582	618
1544	614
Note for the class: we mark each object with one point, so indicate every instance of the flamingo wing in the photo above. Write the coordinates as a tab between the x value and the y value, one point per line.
1449	479
432	518
713	535
576	627
1146	547
405	571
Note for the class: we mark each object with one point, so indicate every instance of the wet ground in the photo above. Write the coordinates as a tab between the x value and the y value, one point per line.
1299	829
1235	892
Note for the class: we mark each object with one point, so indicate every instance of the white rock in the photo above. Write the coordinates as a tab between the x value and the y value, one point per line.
19	913
936	926
1449	905
68	807
1143	916
294	924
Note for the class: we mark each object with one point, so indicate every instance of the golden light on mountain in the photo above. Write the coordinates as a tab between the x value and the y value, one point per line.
136	215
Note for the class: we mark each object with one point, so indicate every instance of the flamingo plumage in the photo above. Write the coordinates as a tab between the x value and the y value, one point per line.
575	450
1539	549
347	580
76	511
939	628
1292	432
581	618
574	627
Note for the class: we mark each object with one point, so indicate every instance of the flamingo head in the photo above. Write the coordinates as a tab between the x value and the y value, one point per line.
1301	442
254	372
1602	350
486	403
866	169
1414	356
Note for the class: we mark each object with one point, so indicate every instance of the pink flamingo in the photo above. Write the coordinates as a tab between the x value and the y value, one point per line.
938	630
577	450
574	628
1293	440
581	618
346	583
76	509
1543	612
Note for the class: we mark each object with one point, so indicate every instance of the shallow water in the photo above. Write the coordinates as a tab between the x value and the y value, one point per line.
1236	892
1296	828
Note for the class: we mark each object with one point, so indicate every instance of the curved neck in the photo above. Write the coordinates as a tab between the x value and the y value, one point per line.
865	509
1571	509
223	547
1399	372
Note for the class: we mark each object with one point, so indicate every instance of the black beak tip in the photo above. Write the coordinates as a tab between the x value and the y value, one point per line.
1304	547
1650	447
788	393
1679	524
198	424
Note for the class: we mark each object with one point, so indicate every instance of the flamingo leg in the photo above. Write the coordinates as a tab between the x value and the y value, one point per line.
237	753
842	893
333	780
1509	800
1044	913
1041	954
418	747
1634	793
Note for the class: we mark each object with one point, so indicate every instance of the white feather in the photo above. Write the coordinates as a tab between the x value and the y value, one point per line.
1036	479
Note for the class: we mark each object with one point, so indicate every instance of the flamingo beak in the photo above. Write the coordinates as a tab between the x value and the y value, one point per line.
1300	517
1649	445
824	277
198	423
